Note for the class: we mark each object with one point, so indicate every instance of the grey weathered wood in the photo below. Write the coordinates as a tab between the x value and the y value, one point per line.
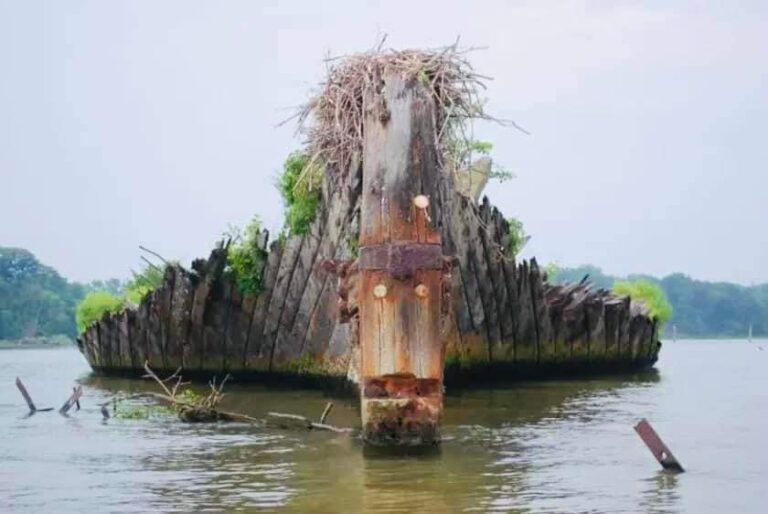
277	304
544	333
178	326
526	344
255	357
287	347
27	397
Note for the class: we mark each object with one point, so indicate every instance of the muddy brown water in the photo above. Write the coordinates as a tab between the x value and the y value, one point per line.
557	446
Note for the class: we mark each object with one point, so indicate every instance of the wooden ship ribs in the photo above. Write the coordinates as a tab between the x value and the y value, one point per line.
401	284
504	320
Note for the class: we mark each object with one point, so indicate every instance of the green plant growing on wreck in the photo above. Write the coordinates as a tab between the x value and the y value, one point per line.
97	303
651	295
142	283
94	306
300	185
353	245
551	269
246	258
517	236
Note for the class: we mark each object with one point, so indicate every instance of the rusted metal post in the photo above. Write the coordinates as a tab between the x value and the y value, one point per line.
401	263
657	446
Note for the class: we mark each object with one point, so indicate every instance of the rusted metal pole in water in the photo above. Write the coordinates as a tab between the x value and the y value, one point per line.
401	264
657	446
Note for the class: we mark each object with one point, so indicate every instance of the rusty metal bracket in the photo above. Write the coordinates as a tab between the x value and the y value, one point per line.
401	260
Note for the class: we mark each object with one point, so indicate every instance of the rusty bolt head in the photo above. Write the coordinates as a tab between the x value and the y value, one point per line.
421	201
421	291
380	291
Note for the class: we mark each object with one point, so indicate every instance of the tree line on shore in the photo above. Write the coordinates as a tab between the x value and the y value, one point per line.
37	302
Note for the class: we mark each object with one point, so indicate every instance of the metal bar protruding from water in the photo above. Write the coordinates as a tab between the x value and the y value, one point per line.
659	450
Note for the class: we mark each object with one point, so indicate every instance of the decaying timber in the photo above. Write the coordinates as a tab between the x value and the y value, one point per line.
401	268
433	293
506	319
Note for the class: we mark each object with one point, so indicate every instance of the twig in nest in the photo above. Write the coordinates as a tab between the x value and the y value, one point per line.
333	119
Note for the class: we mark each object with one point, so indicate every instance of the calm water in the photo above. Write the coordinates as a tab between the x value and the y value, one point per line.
536	447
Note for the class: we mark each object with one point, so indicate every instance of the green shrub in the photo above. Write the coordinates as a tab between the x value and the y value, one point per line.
246	259
94	306
552	270
650	294
148	279
517	236
300	186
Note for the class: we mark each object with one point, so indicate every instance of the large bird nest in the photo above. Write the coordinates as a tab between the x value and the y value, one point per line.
332	120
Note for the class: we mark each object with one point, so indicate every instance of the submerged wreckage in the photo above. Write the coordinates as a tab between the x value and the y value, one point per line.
428	292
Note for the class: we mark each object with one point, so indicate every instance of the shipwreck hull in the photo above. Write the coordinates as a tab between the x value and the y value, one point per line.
503	320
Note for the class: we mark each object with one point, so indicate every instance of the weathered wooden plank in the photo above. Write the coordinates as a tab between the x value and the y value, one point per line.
155	331
256	356
178	326
287	349
578	326
611	322
399	304
526	347
232	347
124	338
625	349
479	265
594	307
110	342
279	295
214	326
312	313
139	341
544	332
510	282
496	253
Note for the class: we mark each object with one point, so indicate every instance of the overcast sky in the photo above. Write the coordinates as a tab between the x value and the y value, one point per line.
154	123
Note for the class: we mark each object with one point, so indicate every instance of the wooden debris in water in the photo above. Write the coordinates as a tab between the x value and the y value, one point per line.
206	409
659	450
25	394
326	412
74	399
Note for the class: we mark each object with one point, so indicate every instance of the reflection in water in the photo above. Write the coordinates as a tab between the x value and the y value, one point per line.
661	494
561	446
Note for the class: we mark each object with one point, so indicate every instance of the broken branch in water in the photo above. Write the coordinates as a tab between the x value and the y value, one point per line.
28	398
73	400
326	412
25	394
195	410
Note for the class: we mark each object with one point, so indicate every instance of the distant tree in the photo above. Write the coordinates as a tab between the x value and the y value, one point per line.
35	300
595	274
112	285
